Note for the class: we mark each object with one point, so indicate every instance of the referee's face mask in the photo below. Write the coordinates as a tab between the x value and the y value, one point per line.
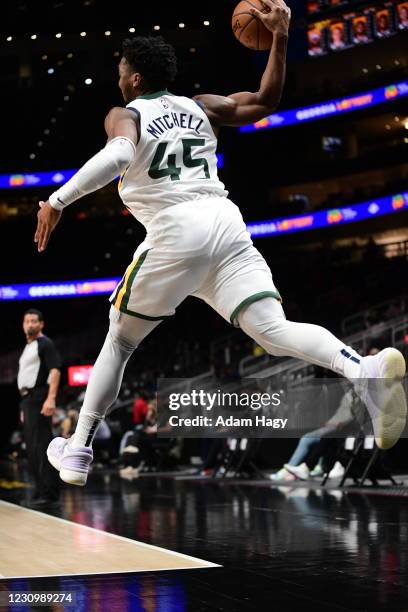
32	325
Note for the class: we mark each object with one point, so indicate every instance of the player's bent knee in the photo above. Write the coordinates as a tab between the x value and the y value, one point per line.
263	316
128	331
125	344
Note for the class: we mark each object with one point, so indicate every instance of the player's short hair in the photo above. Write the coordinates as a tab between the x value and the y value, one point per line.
35	311
153	58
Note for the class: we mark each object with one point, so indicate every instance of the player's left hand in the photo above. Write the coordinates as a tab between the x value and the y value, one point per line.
48	407
278	17
47	219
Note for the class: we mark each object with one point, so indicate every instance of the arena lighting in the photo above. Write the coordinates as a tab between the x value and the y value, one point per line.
260	229
52	177
329	108
78	376
329	218
58	289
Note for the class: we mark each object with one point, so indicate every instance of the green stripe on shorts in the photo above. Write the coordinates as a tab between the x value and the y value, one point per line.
126	297
142	316
251	299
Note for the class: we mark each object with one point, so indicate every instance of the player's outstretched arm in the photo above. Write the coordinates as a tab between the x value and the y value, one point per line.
246	107
120	151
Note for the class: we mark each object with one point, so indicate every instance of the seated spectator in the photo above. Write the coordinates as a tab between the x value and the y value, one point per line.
69	423
306	458
139	450
140	409
129	459
297	466
57	421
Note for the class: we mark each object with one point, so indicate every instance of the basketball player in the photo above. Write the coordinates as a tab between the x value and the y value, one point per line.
163	146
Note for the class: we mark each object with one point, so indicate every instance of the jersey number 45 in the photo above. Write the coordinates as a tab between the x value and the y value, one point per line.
173	171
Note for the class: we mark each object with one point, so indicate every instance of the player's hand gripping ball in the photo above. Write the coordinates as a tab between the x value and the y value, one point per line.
255	22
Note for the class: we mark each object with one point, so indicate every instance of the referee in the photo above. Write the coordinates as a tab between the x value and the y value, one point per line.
38	380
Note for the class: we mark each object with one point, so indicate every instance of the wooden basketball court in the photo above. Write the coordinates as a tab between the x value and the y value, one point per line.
34	544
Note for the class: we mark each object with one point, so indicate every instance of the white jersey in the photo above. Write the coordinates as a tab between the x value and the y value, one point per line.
175	156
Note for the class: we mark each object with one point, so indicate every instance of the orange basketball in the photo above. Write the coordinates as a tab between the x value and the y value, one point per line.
249	30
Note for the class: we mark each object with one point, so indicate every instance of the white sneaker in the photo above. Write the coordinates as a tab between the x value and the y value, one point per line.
337	471
301	471
73	464
385	399
282	475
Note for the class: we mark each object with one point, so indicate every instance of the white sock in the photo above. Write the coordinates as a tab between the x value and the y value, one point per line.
347	363
125	334
265	322
103	389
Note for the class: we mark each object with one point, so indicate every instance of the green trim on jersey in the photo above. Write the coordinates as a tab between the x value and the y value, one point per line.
141	316
155	94
139	119
251	299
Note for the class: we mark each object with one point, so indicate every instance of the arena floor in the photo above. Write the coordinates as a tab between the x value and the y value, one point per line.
262	547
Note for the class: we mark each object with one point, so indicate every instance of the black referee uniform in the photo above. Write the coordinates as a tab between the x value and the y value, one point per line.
38	358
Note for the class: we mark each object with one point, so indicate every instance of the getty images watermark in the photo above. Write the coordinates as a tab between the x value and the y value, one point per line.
217	401
264	408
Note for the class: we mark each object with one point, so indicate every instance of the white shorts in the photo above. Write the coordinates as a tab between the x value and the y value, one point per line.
199	248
